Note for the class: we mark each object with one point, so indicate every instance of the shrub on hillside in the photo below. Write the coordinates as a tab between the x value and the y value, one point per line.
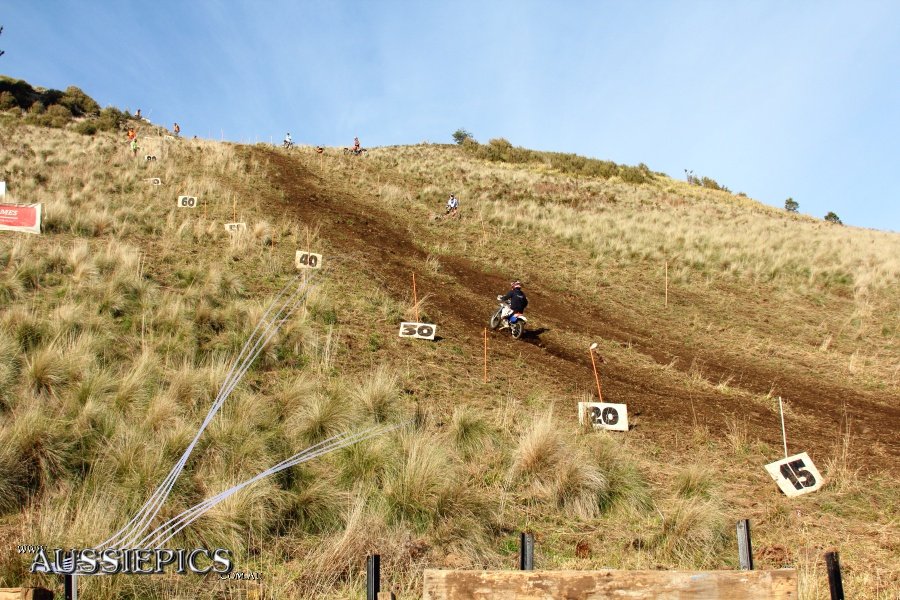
712	184
791	205
501	150
79	103
24	94
110	119
86	127
833	218
461	135
7	100
56	115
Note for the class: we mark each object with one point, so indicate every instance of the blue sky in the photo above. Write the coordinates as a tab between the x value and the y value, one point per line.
774	99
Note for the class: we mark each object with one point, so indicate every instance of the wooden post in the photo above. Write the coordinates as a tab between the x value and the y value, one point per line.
833	564
415	298
745	549
667	284
485	354
233	209
526	551
596	376
373	576
70	587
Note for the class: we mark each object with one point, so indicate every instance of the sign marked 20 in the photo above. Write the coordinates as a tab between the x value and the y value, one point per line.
188	202
307	260
796	475
604	415
422	331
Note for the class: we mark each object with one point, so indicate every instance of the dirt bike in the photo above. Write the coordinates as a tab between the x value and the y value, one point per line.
355	151
501	316
287	145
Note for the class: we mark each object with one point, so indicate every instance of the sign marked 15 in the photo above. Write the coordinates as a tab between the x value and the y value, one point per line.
604	415
188	202
422	331
307	260
796	475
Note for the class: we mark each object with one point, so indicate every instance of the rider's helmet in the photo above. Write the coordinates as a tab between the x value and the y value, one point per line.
516	284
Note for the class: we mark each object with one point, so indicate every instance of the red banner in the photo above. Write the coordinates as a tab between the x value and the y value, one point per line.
20	217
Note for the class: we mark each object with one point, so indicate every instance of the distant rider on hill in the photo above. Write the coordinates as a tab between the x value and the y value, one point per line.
517	302
288	142
356	145
452	204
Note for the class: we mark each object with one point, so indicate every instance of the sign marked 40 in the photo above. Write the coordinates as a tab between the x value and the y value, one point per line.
307	260
604	415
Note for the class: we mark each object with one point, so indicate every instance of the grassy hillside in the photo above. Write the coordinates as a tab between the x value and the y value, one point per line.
119	323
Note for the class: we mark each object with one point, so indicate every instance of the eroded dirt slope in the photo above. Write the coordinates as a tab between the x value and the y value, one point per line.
377	242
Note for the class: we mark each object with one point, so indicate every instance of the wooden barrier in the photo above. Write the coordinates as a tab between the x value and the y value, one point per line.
594	585
25	594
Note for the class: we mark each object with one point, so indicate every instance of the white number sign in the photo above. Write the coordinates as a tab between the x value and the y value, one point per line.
235	227
307	260
603	415
149	157
155	180
796	475
422	331
187	202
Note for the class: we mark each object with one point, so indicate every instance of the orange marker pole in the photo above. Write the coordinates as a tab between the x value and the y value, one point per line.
415	298
485	354
667	284
596	376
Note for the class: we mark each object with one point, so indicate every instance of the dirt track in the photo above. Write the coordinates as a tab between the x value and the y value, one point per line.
358	230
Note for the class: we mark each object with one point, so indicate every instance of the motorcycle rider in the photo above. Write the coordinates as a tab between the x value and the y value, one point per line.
288	142
452	204
517	302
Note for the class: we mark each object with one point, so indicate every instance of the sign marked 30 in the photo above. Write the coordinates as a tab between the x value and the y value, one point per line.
604	415
422	331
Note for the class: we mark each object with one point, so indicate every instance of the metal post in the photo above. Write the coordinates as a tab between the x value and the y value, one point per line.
745	550
70	587
526	551
373	576
833	564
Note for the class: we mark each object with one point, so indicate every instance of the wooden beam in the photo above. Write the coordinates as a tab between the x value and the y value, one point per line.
594	585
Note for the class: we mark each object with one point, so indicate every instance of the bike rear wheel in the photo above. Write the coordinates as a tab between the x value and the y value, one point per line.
517	329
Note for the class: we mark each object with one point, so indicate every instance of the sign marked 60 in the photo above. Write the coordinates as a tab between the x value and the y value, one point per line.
187	202
422	331
796	475
604	415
